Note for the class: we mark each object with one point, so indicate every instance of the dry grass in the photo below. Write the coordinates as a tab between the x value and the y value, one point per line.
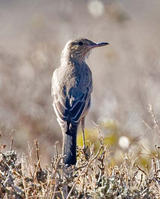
94	176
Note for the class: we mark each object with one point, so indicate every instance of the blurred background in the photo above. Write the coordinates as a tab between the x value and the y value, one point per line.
126	73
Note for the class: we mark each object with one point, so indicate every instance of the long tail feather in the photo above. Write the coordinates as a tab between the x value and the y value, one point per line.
69	145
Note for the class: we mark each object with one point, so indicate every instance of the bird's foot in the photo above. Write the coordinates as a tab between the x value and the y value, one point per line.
86	152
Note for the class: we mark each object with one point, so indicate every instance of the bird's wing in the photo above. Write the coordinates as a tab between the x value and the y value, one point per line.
59	98
70	108
70	103
78	103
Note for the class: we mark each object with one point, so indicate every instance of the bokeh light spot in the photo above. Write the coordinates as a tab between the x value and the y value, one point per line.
124	142
96	8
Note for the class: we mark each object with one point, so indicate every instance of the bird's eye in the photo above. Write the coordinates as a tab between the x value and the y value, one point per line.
80	43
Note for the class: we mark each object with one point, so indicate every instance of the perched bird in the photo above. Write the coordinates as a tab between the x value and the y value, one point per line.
71	91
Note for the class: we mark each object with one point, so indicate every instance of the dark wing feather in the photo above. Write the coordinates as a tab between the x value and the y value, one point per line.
71	110
78	107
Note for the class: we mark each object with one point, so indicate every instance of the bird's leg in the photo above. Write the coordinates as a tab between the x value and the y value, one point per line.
82	126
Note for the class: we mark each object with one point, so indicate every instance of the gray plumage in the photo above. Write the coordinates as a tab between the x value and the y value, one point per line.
71	91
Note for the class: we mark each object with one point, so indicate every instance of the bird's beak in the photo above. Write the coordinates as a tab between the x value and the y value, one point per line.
101	44
94	45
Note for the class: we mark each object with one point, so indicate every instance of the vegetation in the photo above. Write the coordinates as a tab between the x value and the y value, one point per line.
96	175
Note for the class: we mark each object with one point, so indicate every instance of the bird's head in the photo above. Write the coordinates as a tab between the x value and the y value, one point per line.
79	49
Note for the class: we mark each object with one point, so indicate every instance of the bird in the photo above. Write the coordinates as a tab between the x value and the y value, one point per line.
71	92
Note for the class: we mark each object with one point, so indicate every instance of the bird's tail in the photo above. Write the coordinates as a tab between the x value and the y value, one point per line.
69	144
